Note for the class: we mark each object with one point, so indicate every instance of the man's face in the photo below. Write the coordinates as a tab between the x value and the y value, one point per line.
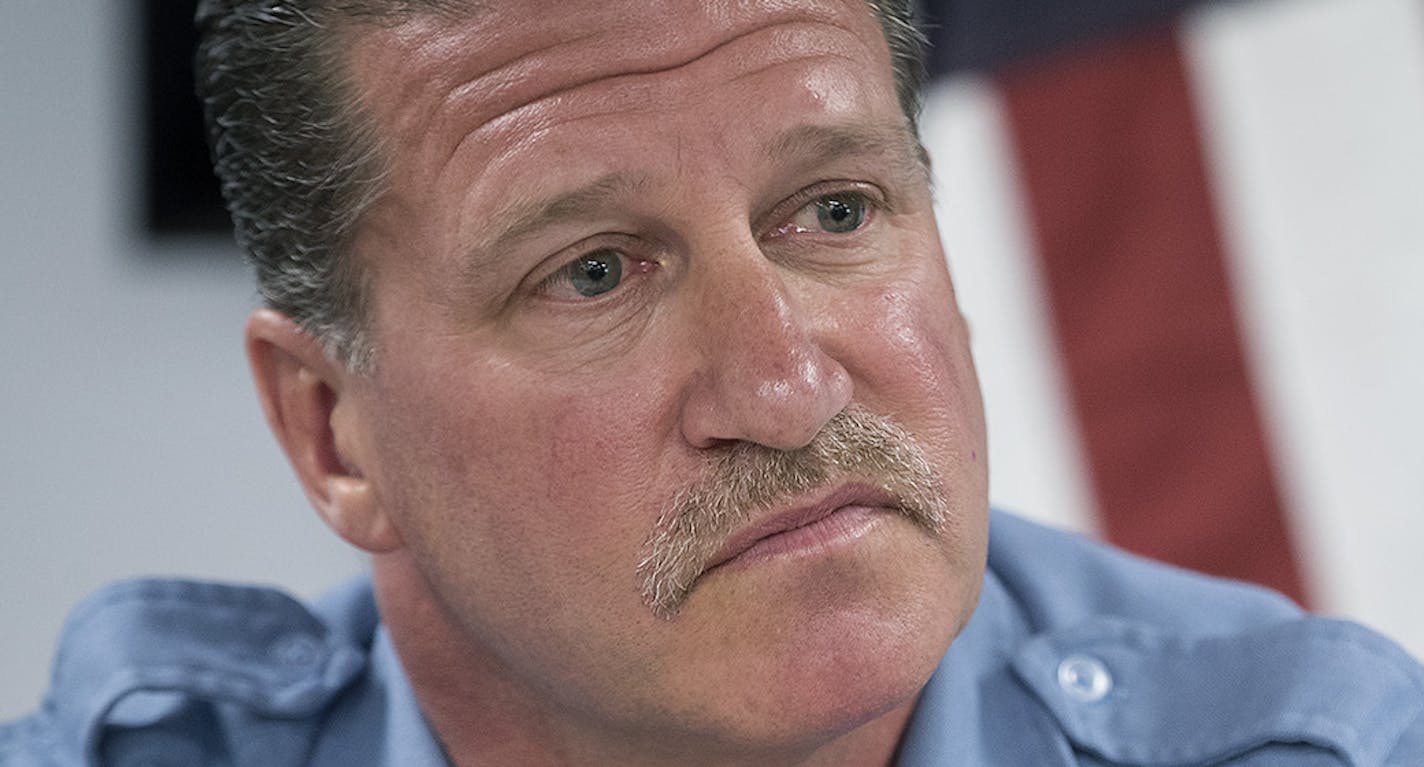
623	241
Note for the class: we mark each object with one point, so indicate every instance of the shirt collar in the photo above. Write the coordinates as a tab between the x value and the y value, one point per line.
975	710
409	741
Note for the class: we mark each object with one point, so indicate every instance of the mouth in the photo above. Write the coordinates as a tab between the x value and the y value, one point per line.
845	514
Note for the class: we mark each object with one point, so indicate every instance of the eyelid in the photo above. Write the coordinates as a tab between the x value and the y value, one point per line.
788	208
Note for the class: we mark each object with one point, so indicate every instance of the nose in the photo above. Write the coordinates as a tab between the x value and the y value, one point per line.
764	375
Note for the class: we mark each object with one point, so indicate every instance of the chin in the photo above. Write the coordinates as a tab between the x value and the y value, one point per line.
819	651
828	690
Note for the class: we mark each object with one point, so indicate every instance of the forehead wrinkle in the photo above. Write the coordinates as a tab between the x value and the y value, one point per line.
507	105
527	65
518	69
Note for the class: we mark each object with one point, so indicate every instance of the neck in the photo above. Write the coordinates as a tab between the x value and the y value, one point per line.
483	715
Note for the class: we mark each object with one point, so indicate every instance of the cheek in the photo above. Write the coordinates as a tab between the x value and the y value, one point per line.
526	476
913	363
599	468
910	351
526	508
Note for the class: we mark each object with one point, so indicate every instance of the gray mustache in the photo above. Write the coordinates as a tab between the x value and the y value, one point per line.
748	478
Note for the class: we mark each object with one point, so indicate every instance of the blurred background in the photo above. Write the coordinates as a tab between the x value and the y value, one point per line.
1189	237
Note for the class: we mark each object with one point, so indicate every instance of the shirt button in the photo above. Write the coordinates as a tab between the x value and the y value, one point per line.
1084	678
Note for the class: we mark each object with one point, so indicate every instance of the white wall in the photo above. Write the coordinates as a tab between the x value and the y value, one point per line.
130	441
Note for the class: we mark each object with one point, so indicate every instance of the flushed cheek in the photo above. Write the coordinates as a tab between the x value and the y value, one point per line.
572	463
528	518
909	348
601	460
562	482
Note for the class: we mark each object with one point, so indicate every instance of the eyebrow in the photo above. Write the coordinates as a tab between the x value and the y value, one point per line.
813	141
822	142
581	202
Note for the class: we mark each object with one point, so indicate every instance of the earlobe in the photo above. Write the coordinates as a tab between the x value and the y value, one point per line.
352	512
308	399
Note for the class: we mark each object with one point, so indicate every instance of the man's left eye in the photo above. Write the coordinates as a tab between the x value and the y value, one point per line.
588	276
837	213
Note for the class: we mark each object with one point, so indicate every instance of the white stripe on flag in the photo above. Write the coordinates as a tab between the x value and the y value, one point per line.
1313	112
1036	466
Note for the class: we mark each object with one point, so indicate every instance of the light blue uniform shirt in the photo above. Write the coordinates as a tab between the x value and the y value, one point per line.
1077	655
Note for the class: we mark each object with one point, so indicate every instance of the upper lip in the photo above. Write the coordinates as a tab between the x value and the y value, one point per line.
849	494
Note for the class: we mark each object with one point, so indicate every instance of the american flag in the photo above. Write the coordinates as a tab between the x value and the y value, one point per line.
1189	238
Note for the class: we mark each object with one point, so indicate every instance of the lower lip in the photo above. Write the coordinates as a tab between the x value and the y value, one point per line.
842	527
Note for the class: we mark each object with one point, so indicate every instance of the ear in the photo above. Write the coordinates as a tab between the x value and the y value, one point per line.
313	404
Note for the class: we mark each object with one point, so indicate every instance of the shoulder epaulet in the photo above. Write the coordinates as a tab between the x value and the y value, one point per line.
1132	694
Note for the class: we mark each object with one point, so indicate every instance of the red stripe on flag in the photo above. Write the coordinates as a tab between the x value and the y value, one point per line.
1131	253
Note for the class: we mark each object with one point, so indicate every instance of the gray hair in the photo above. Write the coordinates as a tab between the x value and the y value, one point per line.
300	163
